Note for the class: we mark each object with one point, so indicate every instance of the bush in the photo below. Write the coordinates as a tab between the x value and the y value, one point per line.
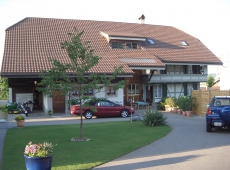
171	101
161	105
185	103
3	109
18	118
154	118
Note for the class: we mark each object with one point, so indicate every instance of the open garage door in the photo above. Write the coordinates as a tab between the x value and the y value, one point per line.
23	97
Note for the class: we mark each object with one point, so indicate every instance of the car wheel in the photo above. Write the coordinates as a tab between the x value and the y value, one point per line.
208	128
124	113
88	114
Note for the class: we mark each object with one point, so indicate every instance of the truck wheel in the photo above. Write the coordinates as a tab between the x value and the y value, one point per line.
208	128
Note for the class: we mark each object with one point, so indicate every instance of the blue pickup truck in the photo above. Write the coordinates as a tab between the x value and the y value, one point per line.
218	113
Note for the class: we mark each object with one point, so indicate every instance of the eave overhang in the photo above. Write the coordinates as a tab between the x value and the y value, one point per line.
192	63
146	68
24	75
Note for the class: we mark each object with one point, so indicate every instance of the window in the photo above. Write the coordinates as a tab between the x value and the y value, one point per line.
157	91
118	45
105	103
89	92
183	43
125	45
150	41
110	90
133	89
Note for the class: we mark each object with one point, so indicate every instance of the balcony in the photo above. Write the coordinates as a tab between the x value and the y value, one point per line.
175	78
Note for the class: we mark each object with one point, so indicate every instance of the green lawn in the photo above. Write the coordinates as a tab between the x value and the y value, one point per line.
108	141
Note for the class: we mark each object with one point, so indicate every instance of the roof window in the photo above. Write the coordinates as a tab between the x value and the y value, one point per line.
184	43
150	41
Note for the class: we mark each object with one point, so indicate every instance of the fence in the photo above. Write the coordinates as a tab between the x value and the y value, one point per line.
203	97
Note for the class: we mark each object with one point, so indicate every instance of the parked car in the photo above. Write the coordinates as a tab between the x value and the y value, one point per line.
218	113
103	108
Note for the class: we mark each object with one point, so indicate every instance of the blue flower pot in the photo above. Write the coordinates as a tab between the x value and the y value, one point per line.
38	163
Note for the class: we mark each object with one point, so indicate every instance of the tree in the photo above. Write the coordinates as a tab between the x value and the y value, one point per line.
4	93
210	81
76	75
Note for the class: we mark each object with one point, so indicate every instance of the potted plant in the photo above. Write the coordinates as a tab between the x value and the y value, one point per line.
39	156
188	105
167	104
181	104
20	120
171	103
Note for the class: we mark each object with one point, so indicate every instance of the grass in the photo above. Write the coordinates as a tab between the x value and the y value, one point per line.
108	141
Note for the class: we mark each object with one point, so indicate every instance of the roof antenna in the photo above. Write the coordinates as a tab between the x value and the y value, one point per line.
142	18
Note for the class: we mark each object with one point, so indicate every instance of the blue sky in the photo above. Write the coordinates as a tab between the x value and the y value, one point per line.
207	20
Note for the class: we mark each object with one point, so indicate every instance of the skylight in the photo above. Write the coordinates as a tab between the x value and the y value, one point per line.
150	41
183	43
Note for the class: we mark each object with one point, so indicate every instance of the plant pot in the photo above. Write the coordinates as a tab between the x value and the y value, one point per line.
188	113
167	108
38	163
20	123
179	111
184	113
174	109
170	109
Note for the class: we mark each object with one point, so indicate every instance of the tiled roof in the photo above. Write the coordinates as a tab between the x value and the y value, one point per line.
29	44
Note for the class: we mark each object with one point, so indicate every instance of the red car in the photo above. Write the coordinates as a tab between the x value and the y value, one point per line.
104	108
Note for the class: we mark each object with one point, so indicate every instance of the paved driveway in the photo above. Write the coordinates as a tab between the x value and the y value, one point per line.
188	146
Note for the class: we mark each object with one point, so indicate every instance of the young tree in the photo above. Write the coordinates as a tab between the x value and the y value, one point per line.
210	81
4	92
76	76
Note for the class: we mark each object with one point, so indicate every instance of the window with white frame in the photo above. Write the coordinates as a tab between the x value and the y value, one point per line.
133	89
158	91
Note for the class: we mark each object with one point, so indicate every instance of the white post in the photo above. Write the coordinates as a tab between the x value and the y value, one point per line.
10	95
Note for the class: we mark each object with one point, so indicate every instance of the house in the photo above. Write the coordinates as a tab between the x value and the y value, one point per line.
158	61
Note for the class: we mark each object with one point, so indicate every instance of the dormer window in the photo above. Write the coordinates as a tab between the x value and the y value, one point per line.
184	43
118	45
150	41
125	45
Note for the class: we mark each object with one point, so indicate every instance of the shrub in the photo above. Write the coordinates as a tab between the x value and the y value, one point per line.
154	118
161	104
3	108
185	103
18	118
181	102
171	101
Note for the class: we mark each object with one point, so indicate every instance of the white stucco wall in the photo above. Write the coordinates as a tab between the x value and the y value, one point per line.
47	104
175	90
118	97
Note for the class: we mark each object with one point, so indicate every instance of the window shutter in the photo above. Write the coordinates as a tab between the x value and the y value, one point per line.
164	90
185	89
